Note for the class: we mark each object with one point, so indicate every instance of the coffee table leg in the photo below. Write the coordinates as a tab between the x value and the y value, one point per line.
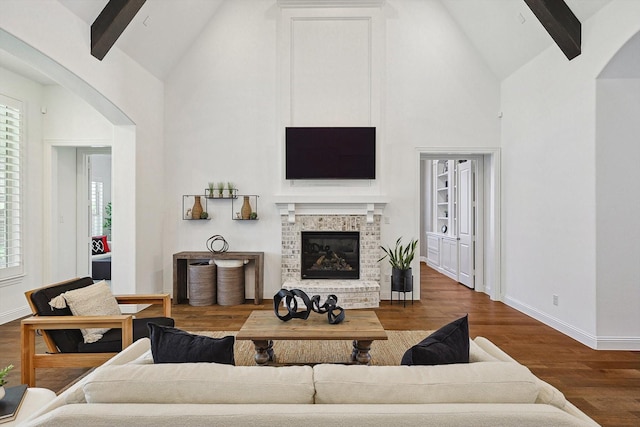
264	351
360	353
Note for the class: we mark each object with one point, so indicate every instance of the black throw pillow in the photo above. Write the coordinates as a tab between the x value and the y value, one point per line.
172	345
447	345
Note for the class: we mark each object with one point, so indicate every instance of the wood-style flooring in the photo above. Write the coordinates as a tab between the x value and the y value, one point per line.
603	384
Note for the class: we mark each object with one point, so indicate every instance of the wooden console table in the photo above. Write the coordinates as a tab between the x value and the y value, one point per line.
181	262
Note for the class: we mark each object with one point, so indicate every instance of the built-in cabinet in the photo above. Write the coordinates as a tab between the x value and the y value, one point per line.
449	256
449	180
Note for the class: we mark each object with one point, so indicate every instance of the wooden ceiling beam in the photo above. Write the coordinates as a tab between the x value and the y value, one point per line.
561	24
110	24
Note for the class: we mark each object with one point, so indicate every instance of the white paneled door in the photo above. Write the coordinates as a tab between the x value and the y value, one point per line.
466	214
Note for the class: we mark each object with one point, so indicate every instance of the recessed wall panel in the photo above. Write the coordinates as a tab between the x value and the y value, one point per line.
331	71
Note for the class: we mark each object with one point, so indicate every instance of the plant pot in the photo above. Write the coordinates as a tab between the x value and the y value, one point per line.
401	280
1	392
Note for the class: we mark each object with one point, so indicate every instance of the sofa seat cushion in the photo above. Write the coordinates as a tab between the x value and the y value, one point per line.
484	382
231	415
200	383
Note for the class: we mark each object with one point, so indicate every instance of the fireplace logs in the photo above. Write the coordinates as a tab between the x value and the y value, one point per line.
330	255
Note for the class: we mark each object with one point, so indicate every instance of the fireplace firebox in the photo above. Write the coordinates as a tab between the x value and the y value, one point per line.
330	255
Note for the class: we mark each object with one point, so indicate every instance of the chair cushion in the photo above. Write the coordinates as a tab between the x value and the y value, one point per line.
65	339
449	344
171	345
111	341
101	268
93	300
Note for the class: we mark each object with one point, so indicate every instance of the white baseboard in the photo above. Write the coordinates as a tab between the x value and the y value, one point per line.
17	313
619	343
595	342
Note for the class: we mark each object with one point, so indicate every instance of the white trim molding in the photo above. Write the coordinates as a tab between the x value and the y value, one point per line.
14	314
593	341
291	206
557	324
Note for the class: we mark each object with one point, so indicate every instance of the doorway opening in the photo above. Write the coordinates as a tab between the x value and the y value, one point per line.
459	216
81	190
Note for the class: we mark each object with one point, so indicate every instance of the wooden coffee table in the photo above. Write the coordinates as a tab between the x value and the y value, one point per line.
361	326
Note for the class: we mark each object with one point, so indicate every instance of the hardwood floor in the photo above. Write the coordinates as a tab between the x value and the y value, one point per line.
603	384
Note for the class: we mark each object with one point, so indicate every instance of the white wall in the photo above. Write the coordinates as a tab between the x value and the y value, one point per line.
126	94
69	122
63	218
224	102
549	182
221	123
12	301
617	211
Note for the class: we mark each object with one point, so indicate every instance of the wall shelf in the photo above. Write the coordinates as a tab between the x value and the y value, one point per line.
216	195
188	202
237	207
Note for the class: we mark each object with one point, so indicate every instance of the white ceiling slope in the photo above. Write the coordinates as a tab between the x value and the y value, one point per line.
505	32
160	33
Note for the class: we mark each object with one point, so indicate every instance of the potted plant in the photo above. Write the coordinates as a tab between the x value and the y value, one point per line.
400	259
3	373
107	220
211	187
230	188
220	189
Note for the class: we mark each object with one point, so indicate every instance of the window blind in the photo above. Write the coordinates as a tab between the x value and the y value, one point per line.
11	230
97	208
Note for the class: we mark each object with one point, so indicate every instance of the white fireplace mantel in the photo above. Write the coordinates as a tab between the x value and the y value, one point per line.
328	205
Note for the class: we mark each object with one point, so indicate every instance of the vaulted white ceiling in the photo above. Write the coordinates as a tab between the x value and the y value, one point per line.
505	32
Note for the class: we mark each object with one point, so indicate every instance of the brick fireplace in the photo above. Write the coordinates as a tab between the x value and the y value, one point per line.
365	220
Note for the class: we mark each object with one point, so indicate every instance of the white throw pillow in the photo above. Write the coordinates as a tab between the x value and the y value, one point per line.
92	300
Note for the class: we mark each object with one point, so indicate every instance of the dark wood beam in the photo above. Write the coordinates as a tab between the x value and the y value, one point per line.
561	24
111	22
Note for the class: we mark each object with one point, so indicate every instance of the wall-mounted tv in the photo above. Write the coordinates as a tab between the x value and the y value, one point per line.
330	153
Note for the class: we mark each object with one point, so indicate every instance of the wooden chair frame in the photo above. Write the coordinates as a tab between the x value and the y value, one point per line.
31	360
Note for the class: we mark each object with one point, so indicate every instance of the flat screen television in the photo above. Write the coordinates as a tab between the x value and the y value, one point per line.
330	153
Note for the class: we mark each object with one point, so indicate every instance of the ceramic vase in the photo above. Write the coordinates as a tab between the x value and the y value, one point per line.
245	212
197	208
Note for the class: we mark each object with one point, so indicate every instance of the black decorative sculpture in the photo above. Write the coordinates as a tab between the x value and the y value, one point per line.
335	314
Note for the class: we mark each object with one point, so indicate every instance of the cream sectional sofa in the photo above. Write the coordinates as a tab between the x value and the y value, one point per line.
493	390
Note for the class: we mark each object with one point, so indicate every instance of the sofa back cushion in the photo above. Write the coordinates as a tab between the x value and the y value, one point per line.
484	382
200	383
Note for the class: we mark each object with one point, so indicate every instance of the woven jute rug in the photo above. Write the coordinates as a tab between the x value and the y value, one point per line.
383	353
